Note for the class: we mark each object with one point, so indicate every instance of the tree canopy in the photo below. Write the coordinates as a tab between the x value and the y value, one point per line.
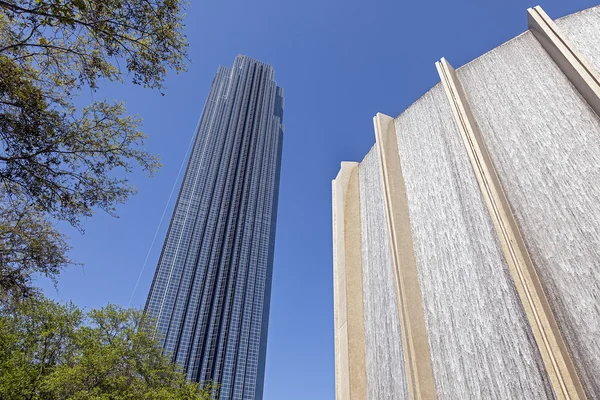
51	351
58	162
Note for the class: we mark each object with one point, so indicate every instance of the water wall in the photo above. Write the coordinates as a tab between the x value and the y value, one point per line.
498	171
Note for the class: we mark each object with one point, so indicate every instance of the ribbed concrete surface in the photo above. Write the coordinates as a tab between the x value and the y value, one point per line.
386	373
481	345
545	143
583	31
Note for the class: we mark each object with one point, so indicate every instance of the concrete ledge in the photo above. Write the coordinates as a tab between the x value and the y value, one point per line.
557	361
574	66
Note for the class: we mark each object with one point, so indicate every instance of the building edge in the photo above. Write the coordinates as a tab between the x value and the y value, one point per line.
415	341
350	363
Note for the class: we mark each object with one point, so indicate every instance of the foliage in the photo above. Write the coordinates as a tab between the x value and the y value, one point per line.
58	160
29	244
52	351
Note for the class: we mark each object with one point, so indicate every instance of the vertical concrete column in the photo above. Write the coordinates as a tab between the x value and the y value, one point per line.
412	319
573	65
556	358
350	368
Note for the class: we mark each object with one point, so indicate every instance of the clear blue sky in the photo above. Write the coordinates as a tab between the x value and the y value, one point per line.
340	62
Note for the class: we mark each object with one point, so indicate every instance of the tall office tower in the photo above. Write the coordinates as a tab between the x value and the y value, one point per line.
211	290
467	241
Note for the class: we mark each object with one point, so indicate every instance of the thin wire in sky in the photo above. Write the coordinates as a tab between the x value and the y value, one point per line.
185	157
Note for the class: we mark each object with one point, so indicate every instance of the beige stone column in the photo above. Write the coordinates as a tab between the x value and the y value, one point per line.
350	367
573	65
412	320
556	358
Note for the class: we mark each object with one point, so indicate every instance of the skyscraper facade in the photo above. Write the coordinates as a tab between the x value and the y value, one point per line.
211	290
467	240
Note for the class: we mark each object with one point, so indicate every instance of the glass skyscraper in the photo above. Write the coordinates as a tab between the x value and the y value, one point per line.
211	290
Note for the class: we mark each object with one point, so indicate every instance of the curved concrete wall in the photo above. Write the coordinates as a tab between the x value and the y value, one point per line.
476	326
487	189
583	31
386	373
544	141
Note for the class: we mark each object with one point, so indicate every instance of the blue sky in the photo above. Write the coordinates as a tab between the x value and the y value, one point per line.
340	62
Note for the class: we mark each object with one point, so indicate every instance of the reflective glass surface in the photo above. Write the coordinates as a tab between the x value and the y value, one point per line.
211	290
